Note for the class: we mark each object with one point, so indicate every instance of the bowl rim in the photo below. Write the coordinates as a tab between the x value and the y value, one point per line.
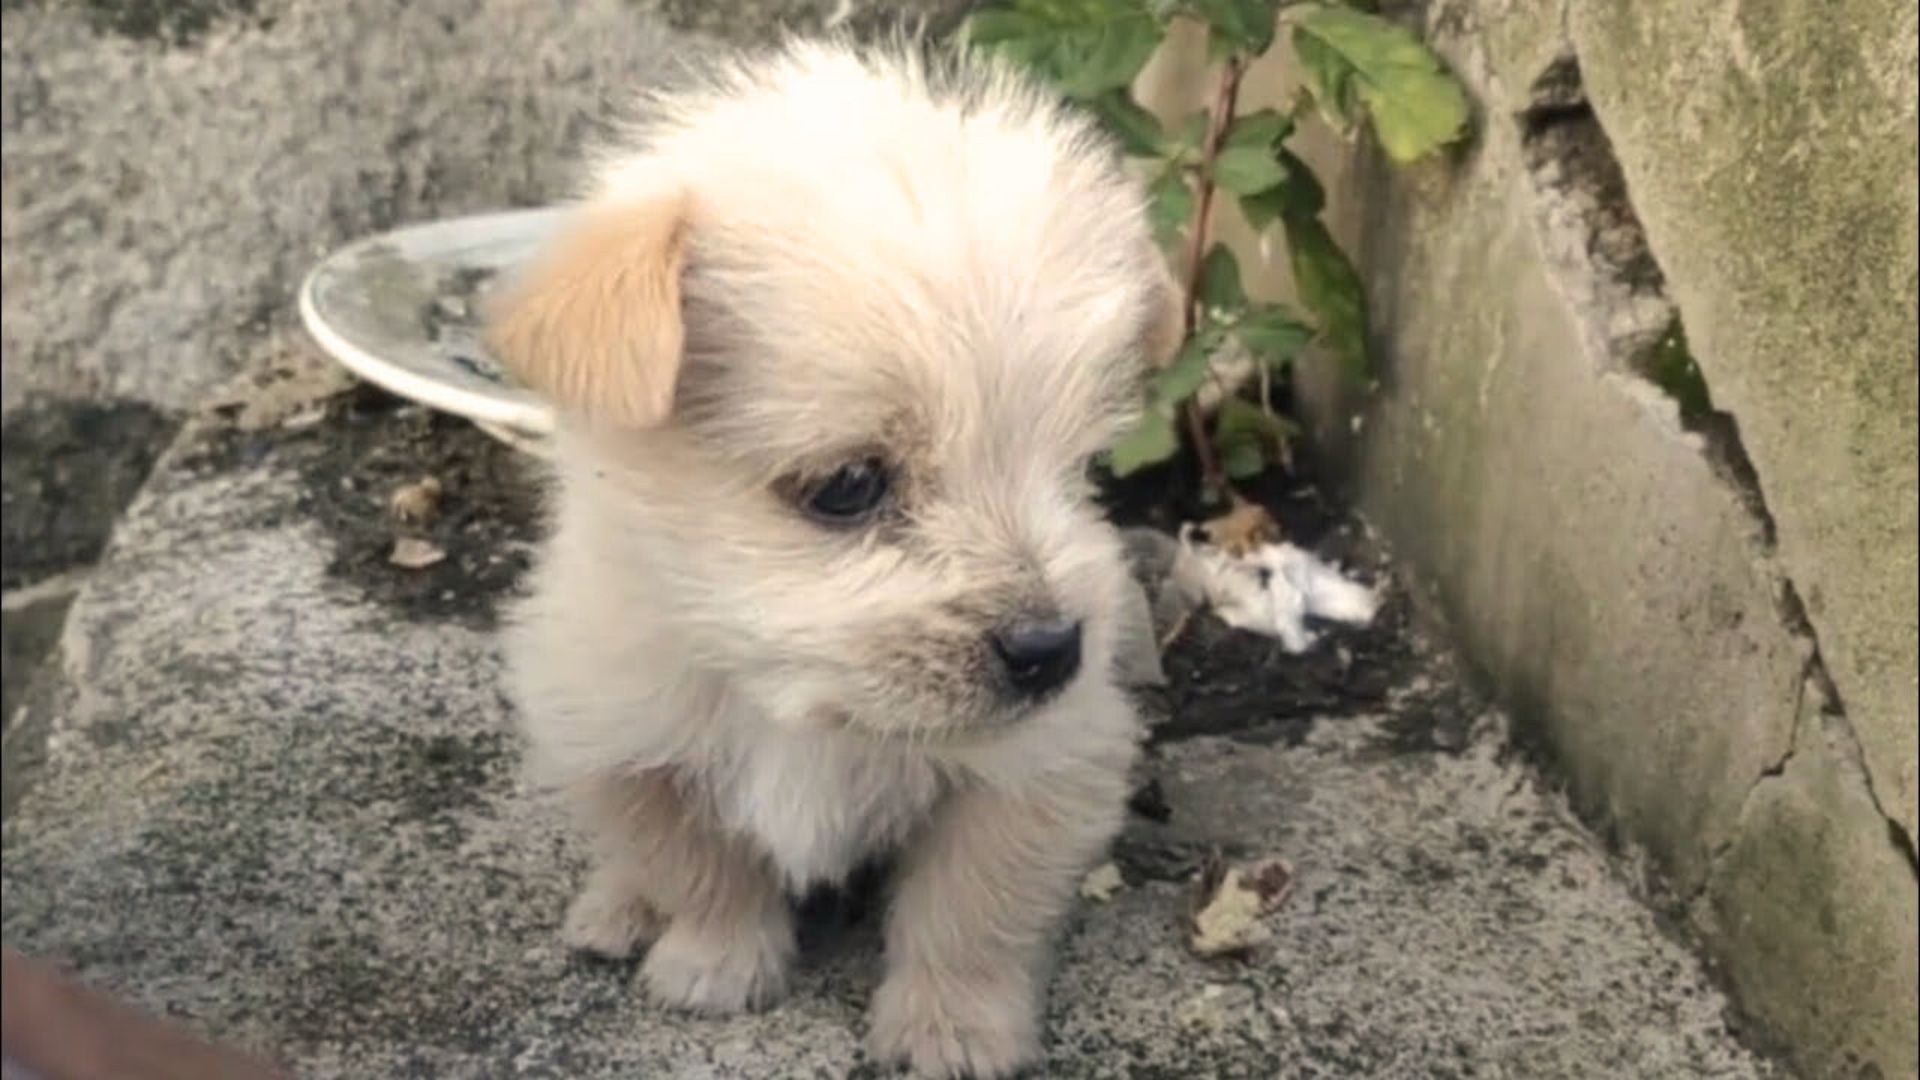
520	413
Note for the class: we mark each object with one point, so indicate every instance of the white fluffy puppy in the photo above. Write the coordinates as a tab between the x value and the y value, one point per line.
834	337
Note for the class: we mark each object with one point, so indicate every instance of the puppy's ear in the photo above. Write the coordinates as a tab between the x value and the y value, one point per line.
1166	327
594	324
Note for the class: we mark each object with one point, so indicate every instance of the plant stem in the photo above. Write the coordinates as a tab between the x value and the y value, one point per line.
1219	117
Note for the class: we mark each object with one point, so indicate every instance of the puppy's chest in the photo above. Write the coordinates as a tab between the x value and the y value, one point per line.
822	804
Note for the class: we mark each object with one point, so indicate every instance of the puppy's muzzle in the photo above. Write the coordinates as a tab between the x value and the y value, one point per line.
1040	655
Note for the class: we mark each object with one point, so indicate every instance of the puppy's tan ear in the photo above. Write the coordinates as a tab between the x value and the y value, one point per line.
1166	321
594	324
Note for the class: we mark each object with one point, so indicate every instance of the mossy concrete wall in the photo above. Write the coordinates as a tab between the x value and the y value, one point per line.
1704	614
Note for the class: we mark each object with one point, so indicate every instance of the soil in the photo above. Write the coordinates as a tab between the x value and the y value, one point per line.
363	446
1223	681
1245	687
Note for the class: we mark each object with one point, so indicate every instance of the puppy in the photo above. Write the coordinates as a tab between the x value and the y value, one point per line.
834	338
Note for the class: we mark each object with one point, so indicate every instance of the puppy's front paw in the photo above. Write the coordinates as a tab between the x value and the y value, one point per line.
607	921
953	1030
739	967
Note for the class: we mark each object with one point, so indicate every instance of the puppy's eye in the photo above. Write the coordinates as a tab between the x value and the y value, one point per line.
849	495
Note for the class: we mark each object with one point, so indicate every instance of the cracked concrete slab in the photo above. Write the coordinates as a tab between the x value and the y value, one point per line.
282	805
1654	573
1797	262
1808	880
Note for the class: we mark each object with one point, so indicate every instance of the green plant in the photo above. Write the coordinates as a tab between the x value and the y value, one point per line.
1355	68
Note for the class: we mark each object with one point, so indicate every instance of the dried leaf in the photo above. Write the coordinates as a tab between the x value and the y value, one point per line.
417	503
413	553
1244	527
1101	885
1229	902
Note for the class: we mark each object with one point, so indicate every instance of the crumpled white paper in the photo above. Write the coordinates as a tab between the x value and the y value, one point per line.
1271	590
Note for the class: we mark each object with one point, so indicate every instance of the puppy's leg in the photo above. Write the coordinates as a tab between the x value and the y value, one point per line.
611	917
666	870
971	926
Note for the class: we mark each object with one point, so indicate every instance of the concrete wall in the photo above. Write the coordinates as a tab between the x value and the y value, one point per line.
1645	433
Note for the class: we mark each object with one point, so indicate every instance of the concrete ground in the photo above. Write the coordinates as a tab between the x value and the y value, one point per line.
270	788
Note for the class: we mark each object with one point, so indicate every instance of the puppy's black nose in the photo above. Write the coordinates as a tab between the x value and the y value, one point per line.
1041	655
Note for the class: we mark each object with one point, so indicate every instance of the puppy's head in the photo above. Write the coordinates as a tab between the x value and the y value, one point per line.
835	347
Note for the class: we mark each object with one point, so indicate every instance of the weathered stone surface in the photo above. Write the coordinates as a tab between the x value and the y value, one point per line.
1811	885
1771	154
162	200
279	800
1611	558
755	22
162	204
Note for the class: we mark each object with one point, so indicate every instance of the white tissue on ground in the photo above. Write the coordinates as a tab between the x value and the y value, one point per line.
1271	590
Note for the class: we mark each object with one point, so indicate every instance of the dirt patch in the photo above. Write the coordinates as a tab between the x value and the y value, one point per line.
353	451
1222	681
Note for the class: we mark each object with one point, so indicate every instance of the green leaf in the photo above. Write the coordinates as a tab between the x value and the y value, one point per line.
1249	155
1247	170
1243	459
1247	24
1273	333
1150	442
1261	130
1138	132
1416	106
1172	385
1328	78
997	26
1220	288
1186	138
1084	47
1090	60
1249	438
1329	285
1299	195
1171	207
1220	45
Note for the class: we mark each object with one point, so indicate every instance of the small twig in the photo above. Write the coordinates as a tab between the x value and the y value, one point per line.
1220	116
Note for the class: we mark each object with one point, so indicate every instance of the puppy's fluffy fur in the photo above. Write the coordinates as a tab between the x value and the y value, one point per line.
820	257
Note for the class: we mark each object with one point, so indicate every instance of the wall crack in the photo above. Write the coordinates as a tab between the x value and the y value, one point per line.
1592	239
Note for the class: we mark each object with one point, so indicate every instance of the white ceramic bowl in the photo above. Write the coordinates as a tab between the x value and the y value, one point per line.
401	310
